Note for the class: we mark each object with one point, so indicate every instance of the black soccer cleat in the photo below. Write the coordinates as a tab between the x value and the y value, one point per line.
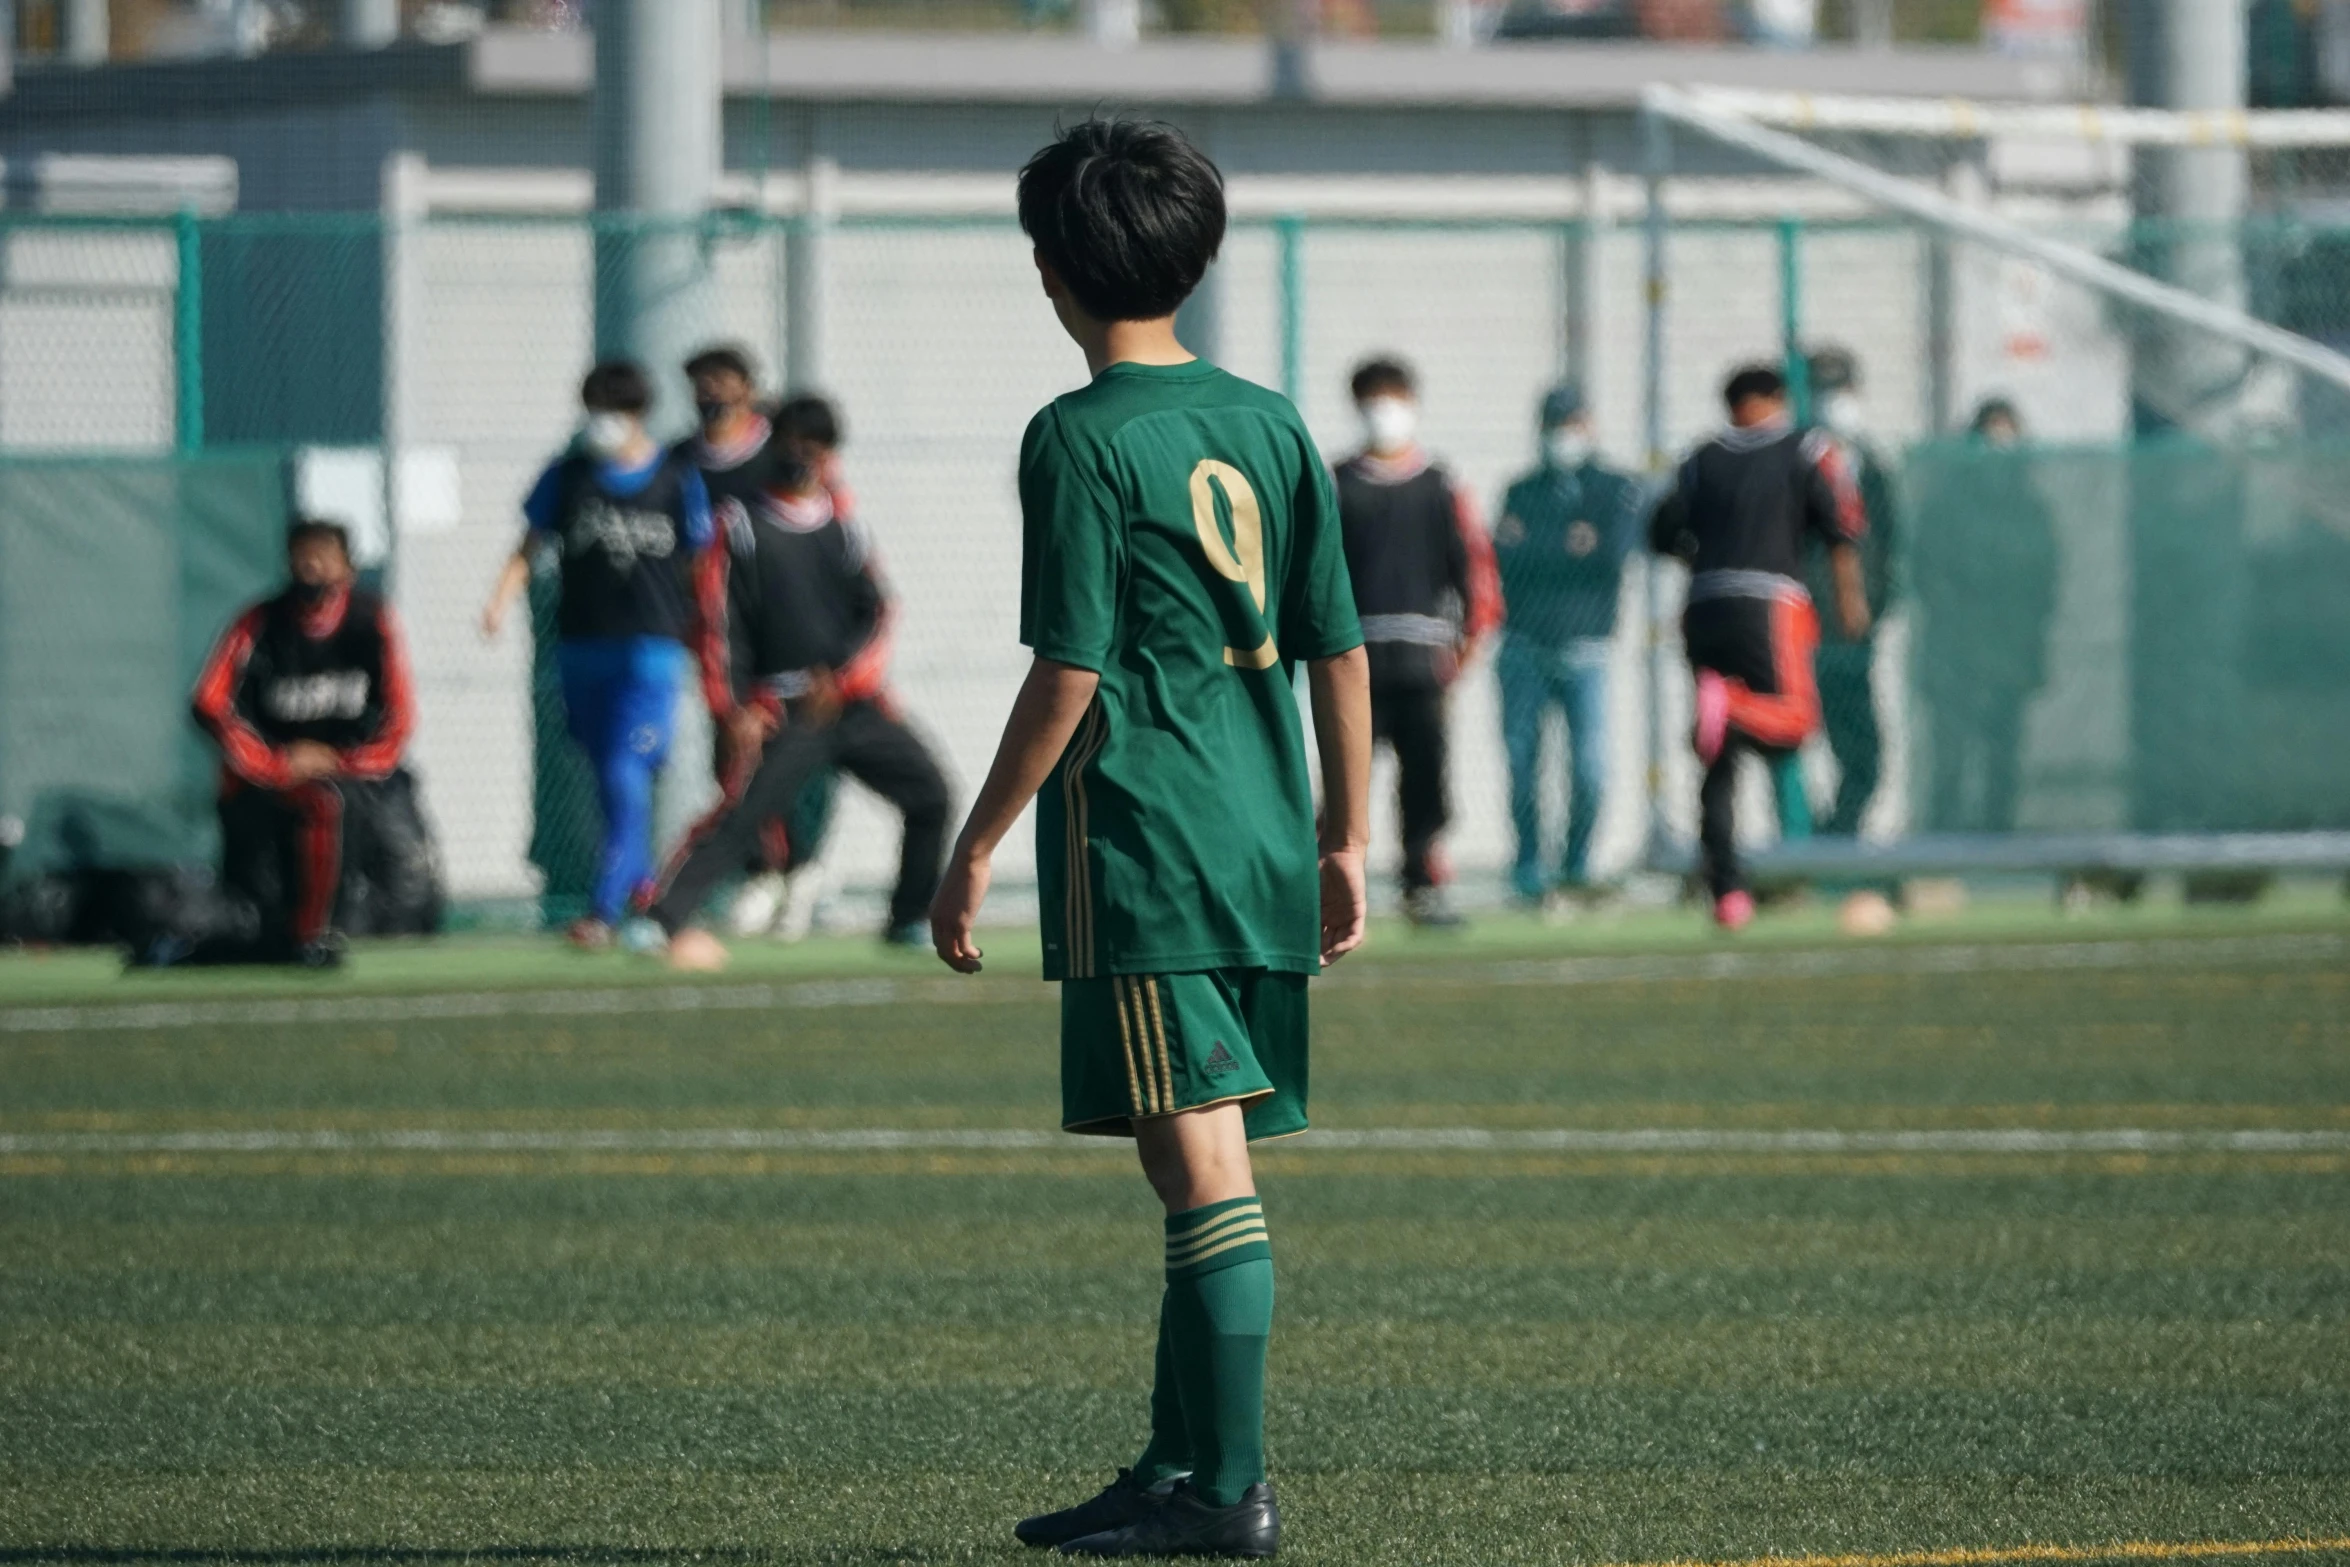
1120	1503
1184	1525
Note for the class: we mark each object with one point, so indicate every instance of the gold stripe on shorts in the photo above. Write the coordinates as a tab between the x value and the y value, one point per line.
1077	898
1126	1043
1159	1028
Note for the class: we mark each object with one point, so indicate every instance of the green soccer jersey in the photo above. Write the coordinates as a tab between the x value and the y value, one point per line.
1181	539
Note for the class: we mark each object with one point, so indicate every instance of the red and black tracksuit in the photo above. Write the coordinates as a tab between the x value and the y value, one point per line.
1426	588
331	671
805	606
1742	511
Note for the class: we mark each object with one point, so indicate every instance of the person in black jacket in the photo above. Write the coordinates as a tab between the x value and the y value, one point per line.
308	696
807	646
1425	587
1741	510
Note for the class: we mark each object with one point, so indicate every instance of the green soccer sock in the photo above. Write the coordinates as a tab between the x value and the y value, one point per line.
1219	1310
1169	1452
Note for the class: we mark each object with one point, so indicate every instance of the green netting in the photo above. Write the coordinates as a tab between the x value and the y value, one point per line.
2150	639
115	576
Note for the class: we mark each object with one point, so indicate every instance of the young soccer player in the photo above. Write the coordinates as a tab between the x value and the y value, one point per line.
811	654
1740	512
1182	554
623	520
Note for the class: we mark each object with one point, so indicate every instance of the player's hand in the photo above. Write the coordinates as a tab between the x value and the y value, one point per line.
1854	616
822	703
308	761
747	729
1344	903
493	619
960	893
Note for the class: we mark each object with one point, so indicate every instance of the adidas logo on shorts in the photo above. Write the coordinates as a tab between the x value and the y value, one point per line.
1219	1061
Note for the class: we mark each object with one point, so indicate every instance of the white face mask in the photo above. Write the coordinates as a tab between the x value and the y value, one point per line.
607	434
1567	446
1389	423
1841	412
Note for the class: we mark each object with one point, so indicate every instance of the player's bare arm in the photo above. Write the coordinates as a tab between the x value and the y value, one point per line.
512	579
1052	701
1341	691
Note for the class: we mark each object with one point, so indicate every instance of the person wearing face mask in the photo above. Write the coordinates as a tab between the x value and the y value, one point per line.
1566	530
738	450
1425	586
626	526
308	696
1846	664
1987	566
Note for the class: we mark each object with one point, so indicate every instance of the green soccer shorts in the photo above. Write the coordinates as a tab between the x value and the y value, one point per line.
1140	1045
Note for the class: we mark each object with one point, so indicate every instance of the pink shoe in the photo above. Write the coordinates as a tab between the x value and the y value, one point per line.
1713	716
1734	910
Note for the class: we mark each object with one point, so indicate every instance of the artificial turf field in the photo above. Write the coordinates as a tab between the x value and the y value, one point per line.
2005	1240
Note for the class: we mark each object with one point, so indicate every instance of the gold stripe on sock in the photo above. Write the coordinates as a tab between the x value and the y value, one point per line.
1159	1028
1196	1258
1126	1042
1216	1230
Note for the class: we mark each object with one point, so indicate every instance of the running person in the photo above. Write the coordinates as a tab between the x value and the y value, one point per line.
1182	555
807	640
623	522
1740	513
737	453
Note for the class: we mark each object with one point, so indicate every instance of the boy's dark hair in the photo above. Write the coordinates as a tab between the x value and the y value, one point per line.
302	529
1753	381
617	386
722	359
1374	376
1127	213
810	419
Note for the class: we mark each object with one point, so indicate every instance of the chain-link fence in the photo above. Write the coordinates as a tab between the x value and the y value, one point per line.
2083	634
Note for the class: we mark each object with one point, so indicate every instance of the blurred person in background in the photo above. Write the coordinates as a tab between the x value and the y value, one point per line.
623	523
1845	664
1742	508
1425	587
808	640
309	698
737	452
1566	530
1986	581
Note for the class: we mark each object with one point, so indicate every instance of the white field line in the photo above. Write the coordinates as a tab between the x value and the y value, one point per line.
1975	958
1460	1139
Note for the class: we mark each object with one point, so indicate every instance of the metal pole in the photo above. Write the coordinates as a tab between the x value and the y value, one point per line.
657	151
807	279
1291	234
1112	24
188	333
1798	369
86	32
367	24
2191	54
1586	285
1657	138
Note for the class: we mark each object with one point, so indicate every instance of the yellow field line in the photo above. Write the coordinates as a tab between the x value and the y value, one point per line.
1993	1556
